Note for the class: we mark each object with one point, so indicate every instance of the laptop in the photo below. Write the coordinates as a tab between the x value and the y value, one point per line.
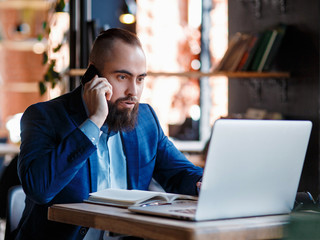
253	168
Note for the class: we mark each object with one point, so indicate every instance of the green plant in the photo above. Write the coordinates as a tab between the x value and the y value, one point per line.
50	76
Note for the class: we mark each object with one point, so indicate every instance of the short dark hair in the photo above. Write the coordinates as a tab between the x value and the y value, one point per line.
118	33
104	42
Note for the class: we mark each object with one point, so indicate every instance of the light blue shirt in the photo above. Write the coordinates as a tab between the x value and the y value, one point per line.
112	171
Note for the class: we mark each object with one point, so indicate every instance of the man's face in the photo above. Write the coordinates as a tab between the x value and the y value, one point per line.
125	69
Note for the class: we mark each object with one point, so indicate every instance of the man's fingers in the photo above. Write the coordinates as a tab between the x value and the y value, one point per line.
101	85
198	184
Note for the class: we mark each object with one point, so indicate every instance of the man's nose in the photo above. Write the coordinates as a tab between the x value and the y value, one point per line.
132	89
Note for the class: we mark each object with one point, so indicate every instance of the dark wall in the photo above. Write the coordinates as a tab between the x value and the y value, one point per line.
106	14
299	54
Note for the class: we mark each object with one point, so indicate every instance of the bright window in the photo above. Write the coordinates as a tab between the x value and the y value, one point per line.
170	33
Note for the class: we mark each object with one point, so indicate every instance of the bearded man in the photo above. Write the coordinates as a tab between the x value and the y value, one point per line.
95	137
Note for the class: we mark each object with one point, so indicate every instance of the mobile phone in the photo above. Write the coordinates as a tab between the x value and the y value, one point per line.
89	74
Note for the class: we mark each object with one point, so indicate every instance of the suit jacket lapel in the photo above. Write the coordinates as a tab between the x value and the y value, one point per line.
131	148
79	115
76	107
93	166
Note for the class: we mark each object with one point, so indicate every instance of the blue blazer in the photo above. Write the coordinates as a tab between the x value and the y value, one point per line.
55	167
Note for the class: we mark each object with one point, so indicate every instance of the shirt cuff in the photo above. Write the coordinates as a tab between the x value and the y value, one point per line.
91	130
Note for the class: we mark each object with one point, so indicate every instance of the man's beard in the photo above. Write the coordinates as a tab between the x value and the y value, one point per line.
122	119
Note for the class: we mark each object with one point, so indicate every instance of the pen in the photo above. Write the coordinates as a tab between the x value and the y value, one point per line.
154	204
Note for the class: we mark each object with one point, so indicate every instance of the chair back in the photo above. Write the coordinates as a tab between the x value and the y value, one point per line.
15	207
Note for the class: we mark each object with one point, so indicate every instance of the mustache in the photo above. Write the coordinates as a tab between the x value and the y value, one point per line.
129	98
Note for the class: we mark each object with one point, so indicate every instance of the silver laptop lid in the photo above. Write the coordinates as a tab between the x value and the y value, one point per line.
253	168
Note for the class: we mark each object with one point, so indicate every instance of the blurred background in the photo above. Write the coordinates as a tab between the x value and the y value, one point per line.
43	43
44	48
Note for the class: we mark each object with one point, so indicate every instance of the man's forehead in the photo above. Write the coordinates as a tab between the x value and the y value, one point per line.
121	47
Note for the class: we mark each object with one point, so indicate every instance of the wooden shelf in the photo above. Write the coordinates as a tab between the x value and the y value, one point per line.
23	45
225	74
21	87
80	72
34	4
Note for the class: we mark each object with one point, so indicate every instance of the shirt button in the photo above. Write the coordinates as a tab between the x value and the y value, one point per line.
83	231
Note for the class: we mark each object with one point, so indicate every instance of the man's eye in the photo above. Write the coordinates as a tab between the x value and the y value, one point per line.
141	79
122	77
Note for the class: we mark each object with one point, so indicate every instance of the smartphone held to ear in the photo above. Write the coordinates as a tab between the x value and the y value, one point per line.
89	74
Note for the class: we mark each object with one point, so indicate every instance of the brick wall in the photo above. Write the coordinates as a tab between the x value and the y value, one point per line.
20	68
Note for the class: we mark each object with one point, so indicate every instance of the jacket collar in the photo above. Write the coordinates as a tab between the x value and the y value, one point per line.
131	147
76	107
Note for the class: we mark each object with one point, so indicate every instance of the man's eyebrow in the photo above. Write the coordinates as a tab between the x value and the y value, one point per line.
143	75
129	73
123	71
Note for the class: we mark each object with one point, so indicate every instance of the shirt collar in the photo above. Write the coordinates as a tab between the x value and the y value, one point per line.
105	129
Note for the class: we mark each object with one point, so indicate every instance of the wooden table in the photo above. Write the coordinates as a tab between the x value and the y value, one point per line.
7	148
122	221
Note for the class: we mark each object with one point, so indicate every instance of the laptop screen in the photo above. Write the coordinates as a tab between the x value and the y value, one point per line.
253	167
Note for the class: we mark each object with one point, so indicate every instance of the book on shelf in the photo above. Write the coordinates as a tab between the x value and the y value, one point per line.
260	50
267	50
281	30
237	47
252	51
228	52
248	54
126	198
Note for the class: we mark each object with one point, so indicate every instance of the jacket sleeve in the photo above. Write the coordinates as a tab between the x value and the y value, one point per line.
50	155
172	169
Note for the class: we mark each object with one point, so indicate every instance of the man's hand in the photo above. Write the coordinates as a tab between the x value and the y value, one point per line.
198	184
96	93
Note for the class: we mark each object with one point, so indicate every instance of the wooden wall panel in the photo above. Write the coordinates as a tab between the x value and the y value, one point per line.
299	55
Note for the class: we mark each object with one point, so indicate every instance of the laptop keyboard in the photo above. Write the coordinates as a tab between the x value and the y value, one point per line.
187	210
